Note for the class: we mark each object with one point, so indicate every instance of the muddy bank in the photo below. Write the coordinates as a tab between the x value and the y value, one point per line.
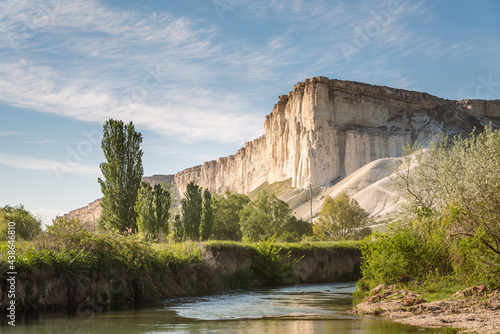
474	310
218	270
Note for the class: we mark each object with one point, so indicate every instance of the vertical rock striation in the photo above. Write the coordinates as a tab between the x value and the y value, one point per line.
325	129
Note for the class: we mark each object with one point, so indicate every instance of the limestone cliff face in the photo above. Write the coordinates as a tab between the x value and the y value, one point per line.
325	129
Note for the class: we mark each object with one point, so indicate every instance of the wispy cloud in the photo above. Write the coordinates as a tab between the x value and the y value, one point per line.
182	77
10	133
40	141
92	62
29	163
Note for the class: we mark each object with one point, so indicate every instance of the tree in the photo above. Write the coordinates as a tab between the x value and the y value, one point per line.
295	229
63	225
153	209
179	234
192	207
227	209
340	218
27	226
267	216
207	220
456	182
122	173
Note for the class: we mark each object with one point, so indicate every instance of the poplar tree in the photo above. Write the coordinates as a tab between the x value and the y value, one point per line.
122	173
207	220
153	209
192	207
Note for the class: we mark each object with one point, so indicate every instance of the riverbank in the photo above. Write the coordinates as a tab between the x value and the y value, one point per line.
473	310
100	271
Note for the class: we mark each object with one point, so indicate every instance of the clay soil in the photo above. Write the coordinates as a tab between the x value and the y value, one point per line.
474	310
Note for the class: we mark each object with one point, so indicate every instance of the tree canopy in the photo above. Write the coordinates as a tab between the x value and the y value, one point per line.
27	226
192	208
227	209
269	216
153	208
122	173
340	218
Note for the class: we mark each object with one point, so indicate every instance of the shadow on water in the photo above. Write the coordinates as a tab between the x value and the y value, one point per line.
301	309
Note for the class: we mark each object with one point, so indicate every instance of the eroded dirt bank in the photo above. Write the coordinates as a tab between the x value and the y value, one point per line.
218	270
474	310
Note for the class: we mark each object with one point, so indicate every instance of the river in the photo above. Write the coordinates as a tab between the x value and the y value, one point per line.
298	309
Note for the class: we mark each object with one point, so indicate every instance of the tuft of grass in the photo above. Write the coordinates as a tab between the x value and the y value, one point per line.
326	246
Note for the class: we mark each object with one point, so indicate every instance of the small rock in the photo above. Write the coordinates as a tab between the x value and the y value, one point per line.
377	289
411	300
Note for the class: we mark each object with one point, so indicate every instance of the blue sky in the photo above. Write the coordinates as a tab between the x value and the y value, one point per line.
197	77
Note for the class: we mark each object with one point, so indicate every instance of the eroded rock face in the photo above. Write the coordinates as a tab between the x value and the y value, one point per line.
325	129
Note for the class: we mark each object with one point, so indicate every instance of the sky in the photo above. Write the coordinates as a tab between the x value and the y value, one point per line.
198	77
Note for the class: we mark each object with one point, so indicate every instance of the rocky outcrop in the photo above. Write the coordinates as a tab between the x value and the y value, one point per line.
88	214
327	129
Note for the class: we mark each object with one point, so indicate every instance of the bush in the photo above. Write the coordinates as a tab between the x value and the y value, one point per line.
270	265
27	226
449	224
403	252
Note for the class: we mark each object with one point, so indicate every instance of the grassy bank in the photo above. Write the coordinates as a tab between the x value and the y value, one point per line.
68	269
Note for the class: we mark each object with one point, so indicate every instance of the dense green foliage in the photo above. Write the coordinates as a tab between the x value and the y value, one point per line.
269	216
207	219
153	209
192	208
122	173
340	219
26	225
450	225
67	249
227	209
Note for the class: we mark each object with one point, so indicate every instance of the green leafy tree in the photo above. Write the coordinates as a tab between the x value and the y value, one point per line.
122	173
295	229
179	234
192	207
63	225
227	209
153	209
455	182
27	226
265	217
207	220
340	218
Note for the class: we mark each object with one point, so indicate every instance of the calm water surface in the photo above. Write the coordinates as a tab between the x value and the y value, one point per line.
301	309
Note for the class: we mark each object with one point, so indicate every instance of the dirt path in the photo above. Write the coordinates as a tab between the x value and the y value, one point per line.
475	310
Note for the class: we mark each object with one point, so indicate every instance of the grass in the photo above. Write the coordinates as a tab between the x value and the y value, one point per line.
276	188
432	289
438	288
84	252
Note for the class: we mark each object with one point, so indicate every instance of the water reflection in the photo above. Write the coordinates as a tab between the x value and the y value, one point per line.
318	308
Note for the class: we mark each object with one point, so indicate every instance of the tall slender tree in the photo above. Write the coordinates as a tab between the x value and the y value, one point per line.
122	173
192	207
207	220
153	209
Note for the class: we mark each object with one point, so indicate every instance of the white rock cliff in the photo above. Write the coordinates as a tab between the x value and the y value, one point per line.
326	129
